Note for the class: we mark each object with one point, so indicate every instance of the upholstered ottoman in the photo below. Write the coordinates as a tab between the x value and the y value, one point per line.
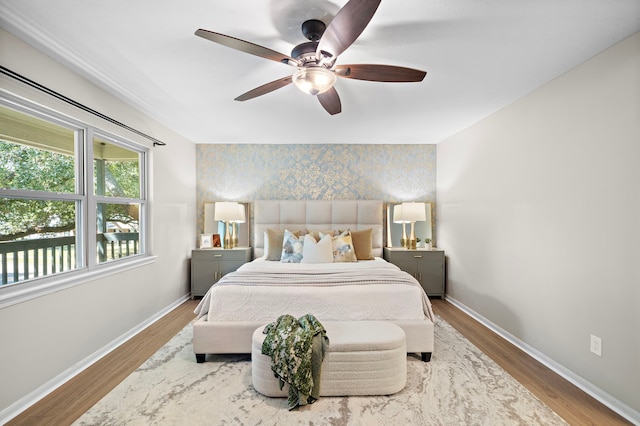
364	358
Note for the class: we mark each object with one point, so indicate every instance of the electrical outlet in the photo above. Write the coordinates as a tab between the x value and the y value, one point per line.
596	345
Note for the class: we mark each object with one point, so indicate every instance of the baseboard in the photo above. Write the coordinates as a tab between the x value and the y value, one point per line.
28	400
614	404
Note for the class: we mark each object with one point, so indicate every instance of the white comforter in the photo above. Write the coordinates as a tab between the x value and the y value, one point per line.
368	290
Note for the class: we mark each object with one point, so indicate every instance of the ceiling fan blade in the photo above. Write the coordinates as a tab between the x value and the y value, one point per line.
330	101
246	46
385	73
346	26
265	88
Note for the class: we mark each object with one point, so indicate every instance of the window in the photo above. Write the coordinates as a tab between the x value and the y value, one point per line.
72	197
116	183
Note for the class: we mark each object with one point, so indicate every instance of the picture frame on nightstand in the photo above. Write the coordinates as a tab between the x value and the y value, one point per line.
206	241
216	241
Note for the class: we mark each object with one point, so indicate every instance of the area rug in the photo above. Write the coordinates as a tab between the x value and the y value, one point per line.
460	386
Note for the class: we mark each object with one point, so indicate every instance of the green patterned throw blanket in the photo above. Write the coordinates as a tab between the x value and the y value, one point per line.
297	348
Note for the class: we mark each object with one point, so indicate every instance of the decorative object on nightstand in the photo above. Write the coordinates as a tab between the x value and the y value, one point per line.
424	243
399	218
229	212
412	213
426	265
206	241
209	265
241	230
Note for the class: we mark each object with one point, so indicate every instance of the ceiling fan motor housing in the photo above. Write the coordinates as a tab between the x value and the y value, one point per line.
313	76
313	29
305	52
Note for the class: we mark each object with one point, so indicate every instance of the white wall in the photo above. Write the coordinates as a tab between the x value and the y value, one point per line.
539	212
45	337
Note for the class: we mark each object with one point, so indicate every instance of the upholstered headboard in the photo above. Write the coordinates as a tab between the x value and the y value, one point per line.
318	215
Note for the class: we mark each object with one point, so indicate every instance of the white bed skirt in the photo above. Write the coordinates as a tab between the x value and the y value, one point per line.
234	337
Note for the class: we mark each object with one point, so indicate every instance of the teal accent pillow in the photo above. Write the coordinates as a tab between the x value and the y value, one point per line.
292	248
273	240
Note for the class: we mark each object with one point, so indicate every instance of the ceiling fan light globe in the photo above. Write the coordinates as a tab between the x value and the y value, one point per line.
314	80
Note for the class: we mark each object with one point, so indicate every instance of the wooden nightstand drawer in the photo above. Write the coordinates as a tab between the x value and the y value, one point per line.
221	254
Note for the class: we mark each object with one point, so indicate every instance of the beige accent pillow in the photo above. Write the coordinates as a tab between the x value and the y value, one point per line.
266	245
363	243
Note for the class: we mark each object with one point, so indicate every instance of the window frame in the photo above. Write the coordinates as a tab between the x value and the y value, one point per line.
88	268
98	199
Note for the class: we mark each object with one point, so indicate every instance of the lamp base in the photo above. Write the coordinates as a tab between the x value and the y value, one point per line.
412	237
404	240
234	237
228	239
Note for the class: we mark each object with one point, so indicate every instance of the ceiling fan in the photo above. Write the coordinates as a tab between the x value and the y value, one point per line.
315	60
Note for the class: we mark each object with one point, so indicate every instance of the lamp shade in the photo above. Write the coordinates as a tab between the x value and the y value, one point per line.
226	211
398	217
240	216
414	212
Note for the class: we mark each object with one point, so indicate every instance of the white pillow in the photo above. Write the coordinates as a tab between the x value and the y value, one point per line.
317	252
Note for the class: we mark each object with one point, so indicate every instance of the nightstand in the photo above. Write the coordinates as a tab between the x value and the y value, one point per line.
209	265
427	266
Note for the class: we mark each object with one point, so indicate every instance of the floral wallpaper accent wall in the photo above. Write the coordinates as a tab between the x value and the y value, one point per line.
247	172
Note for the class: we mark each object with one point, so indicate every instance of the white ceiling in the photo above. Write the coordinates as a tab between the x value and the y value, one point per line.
480	55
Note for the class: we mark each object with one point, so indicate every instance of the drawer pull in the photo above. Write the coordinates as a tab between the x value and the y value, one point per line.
217	255
418	256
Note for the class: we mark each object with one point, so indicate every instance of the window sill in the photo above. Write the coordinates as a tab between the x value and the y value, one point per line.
19	293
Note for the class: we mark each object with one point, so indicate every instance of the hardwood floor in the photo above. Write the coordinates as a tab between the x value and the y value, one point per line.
70	401
67	403
572	404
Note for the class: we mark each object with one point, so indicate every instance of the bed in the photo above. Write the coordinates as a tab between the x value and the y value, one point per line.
261	290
